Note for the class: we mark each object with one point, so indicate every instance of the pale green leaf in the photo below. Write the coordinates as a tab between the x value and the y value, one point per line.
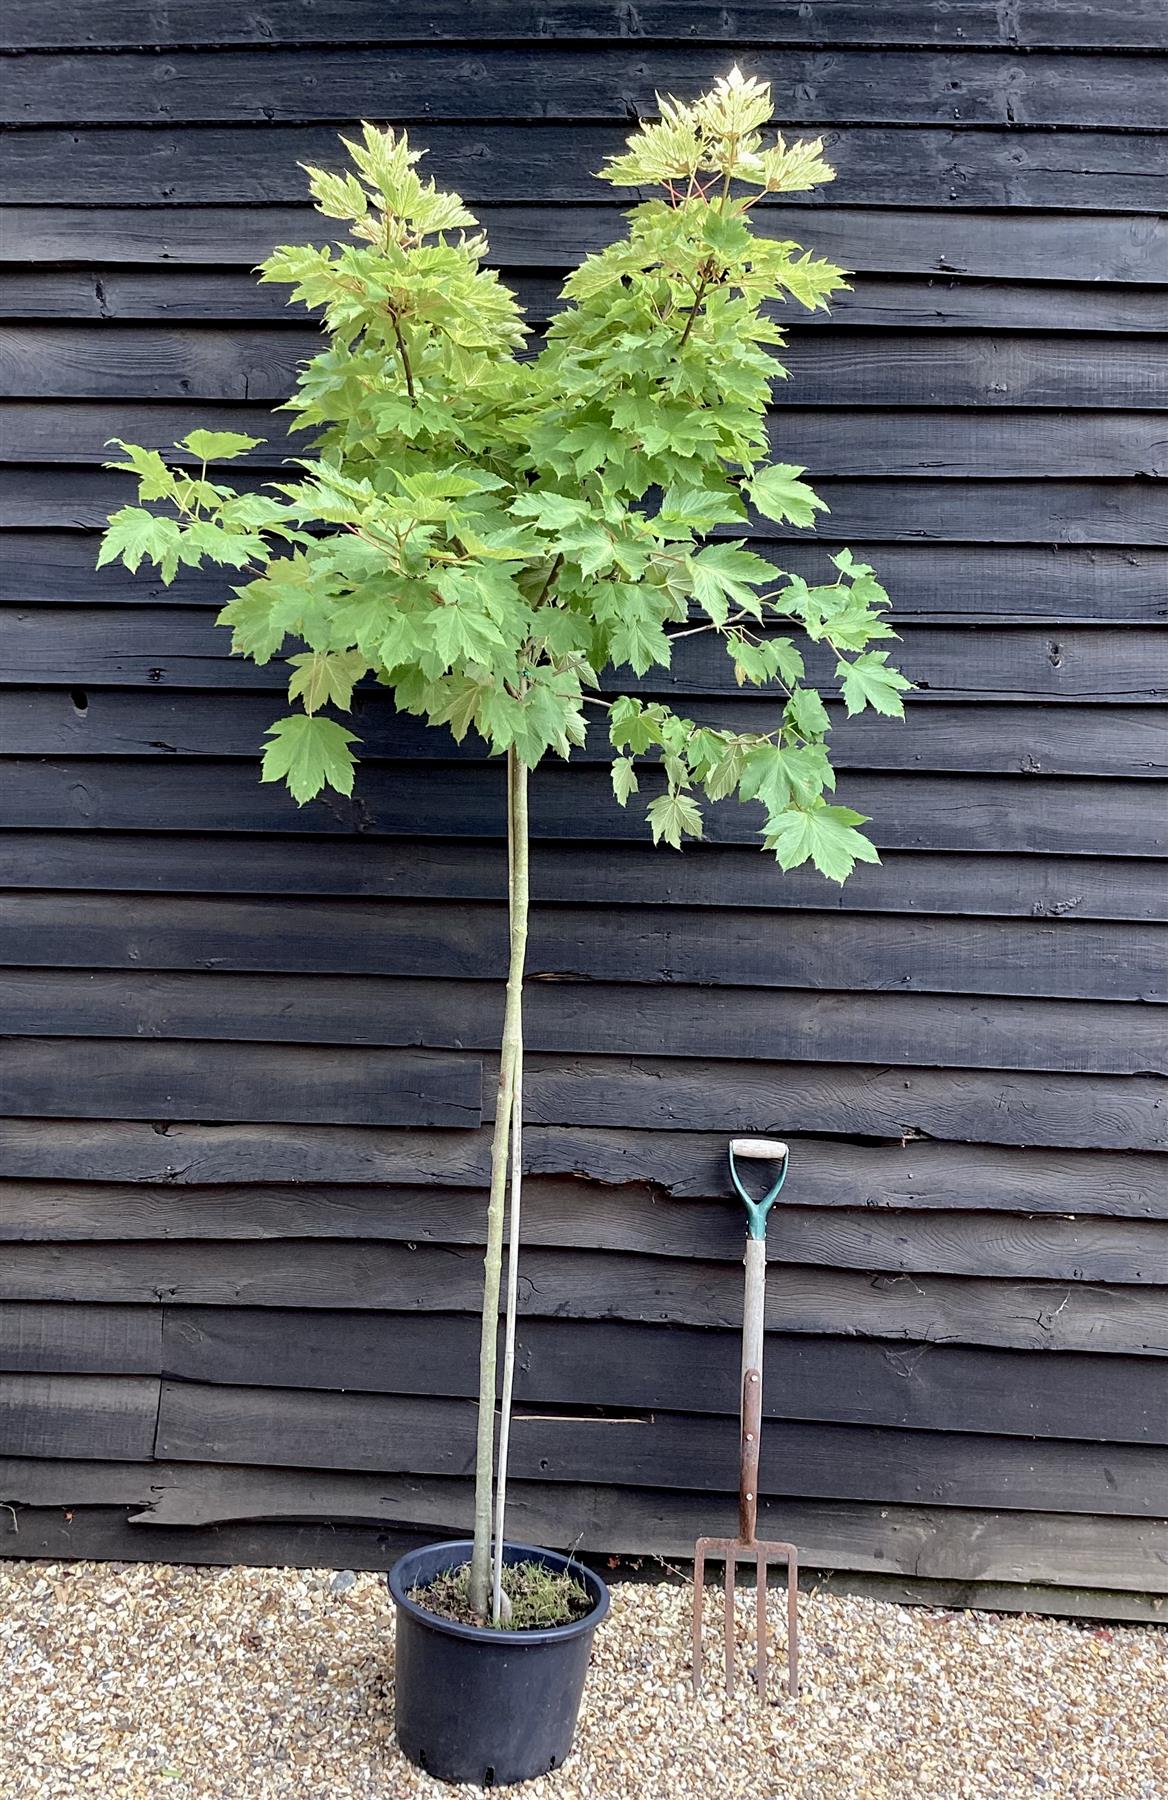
624	779
777	493
823	835
309	754
672	817
217	446
868	681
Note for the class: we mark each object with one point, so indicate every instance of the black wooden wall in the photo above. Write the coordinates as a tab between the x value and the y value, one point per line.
243	1045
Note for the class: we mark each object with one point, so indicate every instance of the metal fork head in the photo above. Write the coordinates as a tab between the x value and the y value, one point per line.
761	1553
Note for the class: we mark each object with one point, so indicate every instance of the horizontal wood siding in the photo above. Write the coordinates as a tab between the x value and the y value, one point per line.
248	1052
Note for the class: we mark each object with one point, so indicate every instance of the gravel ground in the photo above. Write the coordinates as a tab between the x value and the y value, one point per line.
149	1682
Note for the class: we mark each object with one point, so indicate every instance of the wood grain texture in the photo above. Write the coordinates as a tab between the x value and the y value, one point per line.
182	647
1022	1315
907	882
80	1340
89	1077
538	82
995	738
1020	1107
628	1220
687	1165
1125	1549
1033	24
908	811
1059	247
1066	958
79	1416
606	1363
207	164
430	1436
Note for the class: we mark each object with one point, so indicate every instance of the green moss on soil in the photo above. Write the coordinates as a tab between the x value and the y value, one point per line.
539	1597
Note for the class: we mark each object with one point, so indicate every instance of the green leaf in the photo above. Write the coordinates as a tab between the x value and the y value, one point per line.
778	493
726	572
672	817
823	835
624	779
155	480
309	754
217	446
806	713
326	675
552	512
633	725
868	681
640	640
254	631
133	533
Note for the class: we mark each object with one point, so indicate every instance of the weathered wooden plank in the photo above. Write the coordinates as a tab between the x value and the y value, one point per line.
386	1433
1123	1549
79	1416
1116	1320
897	303
943	1542
562	1362
907	882
1023	1108
578	1019
935	442
206	164
686	1165
828	370
1067	585
81	1340
86	1077
80	1527
1053	247
98	647
907	811
1065	958
181	647
543	81
1034	24
631	1220
989	739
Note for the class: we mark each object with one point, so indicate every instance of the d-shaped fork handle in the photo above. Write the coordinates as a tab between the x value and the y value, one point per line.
769	1150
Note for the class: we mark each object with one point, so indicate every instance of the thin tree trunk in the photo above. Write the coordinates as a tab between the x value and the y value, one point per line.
517	895
509	1064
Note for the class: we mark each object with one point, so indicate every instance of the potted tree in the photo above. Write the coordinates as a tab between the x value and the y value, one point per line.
490	533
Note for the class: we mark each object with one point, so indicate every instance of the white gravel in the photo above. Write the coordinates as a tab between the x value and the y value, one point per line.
150	1682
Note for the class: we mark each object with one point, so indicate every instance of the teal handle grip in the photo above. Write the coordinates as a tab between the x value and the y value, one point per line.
758	1150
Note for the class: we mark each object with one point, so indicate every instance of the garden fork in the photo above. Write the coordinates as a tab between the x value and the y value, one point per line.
747	1544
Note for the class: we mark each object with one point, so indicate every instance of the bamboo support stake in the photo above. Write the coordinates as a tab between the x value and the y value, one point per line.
517	893
480	1568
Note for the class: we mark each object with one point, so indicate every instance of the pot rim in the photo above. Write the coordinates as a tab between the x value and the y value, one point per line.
489	1634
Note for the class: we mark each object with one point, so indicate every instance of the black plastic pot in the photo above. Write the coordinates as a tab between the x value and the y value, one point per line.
490	1707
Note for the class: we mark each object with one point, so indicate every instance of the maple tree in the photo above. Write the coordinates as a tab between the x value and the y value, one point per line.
494	534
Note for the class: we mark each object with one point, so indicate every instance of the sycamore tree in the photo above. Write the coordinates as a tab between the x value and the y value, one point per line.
502	537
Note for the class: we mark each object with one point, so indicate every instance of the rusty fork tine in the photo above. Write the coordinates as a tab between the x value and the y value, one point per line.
731	1569
699	1592
760	1625
793	1623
